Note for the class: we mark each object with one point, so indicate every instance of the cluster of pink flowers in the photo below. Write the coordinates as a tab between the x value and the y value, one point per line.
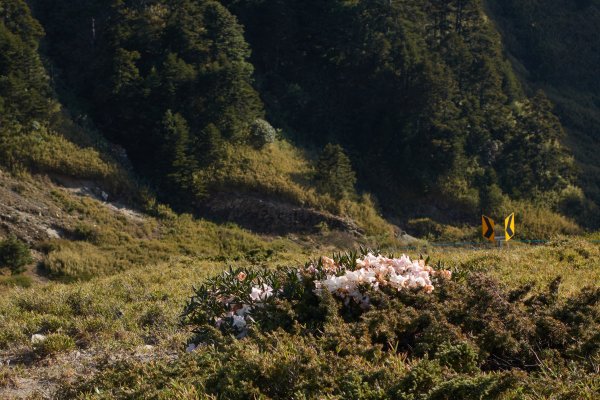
346	279
239	314
375	272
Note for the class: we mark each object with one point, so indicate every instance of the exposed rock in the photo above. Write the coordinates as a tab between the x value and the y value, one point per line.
53	233
29	210
270	216
37	338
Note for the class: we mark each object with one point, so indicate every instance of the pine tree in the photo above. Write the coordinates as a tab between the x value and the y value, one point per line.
334	172
24	88
178	164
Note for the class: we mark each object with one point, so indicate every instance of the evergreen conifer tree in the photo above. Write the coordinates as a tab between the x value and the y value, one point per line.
334	172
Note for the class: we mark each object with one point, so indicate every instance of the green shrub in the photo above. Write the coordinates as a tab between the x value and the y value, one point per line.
536	222
461	357
154	317
424	228
8	378
14	254
262	133
53	344
469	337
429	229
571	201
86	233
15	281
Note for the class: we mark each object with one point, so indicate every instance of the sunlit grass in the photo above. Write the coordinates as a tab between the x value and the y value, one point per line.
576	260
284	172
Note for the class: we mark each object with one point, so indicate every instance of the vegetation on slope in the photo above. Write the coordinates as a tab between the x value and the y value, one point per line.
423	107
34	134
168	81
554	47
414	345
183	108
93	238
417	93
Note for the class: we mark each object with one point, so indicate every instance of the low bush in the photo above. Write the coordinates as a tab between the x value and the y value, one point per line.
262	133
14	254
15	281
54	344
468	336
428	229
537	222
338	329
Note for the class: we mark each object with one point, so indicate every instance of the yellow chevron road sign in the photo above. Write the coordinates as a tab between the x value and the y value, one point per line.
487	225
509	227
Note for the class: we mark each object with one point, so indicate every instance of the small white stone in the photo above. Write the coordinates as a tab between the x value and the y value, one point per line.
37	338
191	347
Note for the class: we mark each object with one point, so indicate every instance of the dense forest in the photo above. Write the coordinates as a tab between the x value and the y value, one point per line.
554	45
413	101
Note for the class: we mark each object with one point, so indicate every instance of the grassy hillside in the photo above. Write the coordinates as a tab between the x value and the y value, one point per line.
38	135
119	336
77	236
107	292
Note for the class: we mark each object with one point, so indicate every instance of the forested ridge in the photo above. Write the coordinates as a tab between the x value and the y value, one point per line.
555	47
412	101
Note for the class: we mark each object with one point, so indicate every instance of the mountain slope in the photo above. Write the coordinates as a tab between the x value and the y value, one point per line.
554	45
170	82
418	93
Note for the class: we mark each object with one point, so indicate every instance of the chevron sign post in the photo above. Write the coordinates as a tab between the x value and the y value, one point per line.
487	225
509	227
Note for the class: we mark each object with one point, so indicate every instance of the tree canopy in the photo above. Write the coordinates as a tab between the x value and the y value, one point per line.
419	94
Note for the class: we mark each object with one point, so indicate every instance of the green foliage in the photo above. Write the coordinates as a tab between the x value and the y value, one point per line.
49	152
436	113
54	344
548	166
117	316
15	281
553	43
537	221
428	229
168	81
14	254
471	337
436	101
262	133
491	197
24	85
334	174
178	165
34	136
366	214
461	357
102	242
